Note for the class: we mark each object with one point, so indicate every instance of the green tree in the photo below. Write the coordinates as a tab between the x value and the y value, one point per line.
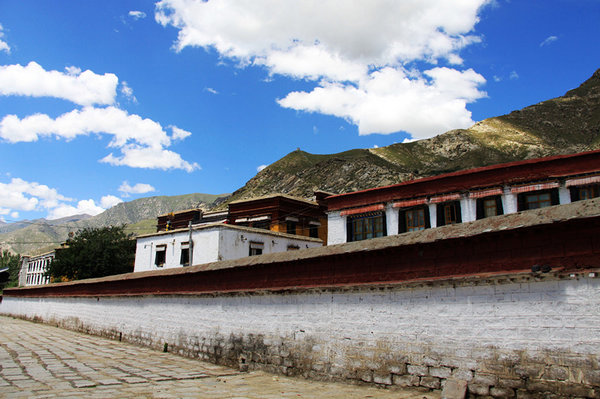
94	252
13	263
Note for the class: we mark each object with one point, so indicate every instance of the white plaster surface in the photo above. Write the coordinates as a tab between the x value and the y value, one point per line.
212	244
464	323
336	228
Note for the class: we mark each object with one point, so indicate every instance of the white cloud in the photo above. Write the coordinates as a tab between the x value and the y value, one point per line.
3	45
20	195
139	188
261	167
179	134
83	88
390	101
108	201
128	92
137	156
141	141
296	39
87	207
137	14
514	75
210	90
548	40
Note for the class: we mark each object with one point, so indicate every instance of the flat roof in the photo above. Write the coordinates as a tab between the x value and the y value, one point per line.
276	195
471	171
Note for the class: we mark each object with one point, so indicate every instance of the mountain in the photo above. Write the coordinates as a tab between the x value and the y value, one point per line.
41	235
562	125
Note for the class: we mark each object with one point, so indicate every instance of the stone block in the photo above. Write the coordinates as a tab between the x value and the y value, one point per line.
510	383
556	373
398	369
454	389
385	379
576	390
479	389
498	392
541	386
484	379
430	382
406	380
530	371
462	374
440	372
417	370
591	377
366	376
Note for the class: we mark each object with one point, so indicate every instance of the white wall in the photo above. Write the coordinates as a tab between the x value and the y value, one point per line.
212	244
444	327
336	228
235	244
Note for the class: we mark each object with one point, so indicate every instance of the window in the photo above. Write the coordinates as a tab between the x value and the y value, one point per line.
185	254
293	247
585	192
365	226
161	255
290	227
256	248
537	199
448	213
413	219
313	230
489	206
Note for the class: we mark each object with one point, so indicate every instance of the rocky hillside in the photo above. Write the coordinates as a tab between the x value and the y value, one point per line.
562	125
41	235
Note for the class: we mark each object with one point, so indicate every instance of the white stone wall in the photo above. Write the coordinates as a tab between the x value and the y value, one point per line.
213	244
336	228
414	336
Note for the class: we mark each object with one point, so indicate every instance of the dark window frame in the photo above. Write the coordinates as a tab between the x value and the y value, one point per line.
576	192
524	205
481	214
403	220
365	226
448	213
160	256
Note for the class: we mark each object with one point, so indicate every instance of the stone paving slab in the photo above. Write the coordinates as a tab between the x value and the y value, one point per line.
40	361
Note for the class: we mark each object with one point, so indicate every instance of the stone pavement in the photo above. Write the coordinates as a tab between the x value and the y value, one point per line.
40	361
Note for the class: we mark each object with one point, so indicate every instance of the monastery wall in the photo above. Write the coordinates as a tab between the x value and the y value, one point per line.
508	305
503	336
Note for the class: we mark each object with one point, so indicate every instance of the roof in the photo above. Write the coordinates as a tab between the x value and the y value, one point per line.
223	226
272	196
527	170
180	212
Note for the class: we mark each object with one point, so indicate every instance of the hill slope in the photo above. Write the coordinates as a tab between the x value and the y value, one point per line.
562	125
140	214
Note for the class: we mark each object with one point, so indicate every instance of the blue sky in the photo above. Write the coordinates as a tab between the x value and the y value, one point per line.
109	101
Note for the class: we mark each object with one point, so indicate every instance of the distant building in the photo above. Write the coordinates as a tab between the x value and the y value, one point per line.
211	243
281	213
275	223
462	196
33	269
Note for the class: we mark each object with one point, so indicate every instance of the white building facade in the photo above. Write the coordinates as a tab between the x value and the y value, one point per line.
212	243
33	269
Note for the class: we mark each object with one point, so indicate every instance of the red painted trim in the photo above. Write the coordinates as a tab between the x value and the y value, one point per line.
485	193
534	187
444	198
409	203
365	209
